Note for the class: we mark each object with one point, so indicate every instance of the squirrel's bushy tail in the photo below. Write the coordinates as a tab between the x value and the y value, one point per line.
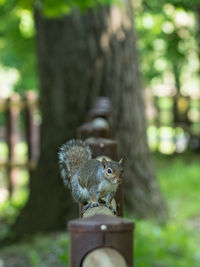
71	156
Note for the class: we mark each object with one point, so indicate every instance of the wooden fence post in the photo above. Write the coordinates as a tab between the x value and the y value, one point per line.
32	129
101	240
12	135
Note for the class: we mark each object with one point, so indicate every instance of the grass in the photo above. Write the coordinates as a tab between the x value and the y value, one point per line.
180	182
173	244
170	245
42	251
176	243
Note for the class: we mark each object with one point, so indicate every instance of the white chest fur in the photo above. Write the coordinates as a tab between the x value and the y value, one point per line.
106	187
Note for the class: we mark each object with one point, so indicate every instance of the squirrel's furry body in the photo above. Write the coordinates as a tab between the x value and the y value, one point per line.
89	179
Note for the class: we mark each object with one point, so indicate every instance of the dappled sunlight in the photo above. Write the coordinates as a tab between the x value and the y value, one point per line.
117	23
3	195
26	25
167	140
8	78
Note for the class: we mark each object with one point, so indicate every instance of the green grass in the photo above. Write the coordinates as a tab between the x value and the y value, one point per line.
41	251
171	244
175	243
180	182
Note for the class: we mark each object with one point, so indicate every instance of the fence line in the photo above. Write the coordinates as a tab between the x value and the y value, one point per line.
12	108
180	113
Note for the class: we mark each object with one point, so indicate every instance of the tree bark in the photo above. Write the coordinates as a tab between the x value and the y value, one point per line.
121	78
80	57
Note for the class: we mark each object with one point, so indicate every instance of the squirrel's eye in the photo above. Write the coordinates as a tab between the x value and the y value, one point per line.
109	170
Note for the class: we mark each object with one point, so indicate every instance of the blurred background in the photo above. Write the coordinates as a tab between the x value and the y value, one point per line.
168	44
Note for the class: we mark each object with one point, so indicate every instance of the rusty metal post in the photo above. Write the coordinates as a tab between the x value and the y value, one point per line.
98	127
101	109
98	124
103	101
97	131
100	231
103	146
12	136
32	129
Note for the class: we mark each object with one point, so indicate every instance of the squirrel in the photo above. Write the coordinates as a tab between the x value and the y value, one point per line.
90	180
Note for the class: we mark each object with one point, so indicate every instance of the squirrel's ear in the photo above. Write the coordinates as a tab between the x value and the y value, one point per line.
121	161
104	162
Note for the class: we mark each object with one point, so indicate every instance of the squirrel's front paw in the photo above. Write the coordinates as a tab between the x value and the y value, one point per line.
85	208
111	208
90	205
95	204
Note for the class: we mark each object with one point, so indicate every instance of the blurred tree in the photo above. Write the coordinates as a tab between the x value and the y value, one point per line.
83	55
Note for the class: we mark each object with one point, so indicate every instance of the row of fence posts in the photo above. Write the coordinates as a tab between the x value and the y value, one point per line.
12	108
101	240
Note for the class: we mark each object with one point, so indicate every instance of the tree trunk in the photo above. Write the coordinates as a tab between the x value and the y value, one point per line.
121	81
81	56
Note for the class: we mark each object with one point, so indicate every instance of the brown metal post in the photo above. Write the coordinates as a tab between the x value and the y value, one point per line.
100	231
97	139
101	109
103	101
32	128
98	127
12	116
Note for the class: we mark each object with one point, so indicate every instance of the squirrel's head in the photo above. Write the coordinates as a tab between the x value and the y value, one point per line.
113	171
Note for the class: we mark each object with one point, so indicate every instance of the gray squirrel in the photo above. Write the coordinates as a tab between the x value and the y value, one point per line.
90	180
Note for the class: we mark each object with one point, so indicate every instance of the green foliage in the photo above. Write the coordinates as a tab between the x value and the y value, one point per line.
187	4
166	48
52	8
167	39
17	34
17	44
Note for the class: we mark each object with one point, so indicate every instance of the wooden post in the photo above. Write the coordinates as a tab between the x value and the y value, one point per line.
12	116
101	238
32	128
